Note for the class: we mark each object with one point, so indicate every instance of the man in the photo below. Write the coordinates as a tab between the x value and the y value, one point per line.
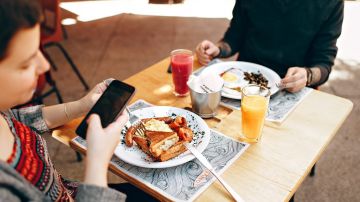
296	39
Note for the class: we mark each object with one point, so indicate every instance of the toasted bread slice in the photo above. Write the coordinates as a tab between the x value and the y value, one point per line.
174	151
161	141
162	145
142	144
156	137
166	119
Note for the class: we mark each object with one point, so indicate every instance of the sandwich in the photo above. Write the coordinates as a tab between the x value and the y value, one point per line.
162	139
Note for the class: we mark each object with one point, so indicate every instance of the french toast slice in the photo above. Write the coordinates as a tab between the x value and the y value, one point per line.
174	151
160	141
142	143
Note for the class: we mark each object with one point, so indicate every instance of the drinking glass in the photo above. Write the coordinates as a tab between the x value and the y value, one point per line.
254	105
182	65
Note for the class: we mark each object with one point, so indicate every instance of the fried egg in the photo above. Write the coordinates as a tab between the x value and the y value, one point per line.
230	77
231	80
156	125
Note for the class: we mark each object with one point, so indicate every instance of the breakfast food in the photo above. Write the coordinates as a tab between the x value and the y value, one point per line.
161	138
229	77
256	78
233	82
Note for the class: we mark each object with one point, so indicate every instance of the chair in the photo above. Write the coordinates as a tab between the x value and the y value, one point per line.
52	35
43	80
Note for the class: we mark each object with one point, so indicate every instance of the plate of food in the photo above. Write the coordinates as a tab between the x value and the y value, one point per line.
237	74
158	141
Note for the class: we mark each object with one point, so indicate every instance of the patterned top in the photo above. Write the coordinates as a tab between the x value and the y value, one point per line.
30	156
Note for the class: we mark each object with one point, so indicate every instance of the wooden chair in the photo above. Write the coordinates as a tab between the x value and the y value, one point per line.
52	35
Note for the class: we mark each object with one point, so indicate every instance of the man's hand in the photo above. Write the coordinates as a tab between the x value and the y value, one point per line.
206	51
295	79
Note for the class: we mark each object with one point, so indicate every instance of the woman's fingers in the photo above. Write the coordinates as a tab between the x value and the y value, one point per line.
94	122
104	84
108	81
118	124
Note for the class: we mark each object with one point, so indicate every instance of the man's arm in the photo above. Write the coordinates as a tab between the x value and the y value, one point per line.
323	49
231	42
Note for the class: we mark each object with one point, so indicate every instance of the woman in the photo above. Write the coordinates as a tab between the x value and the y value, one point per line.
26	171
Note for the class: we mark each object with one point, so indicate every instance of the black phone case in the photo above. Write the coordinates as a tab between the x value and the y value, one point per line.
82	128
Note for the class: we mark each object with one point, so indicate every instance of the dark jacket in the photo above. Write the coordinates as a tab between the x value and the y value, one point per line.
285	33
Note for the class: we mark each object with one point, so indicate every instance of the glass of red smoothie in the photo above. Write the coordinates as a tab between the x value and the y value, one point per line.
181	65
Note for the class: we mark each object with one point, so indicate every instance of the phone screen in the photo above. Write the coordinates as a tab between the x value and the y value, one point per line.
109	105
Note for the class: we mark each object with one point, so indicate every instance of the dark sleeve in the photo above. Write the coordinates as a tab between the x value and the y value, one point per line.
236	30
323	49
91	193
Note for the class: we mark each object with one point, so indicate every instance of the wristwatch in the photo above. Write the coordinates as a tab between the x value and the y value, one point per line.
308	76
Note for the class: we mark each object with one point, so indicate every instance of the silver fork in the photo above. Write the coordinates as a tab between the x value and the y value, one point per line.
136	122
280	85
206	89
132	117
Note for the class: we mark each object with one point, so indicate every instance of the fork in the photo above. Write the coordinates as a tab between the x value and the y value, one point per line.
136	122
280	85
206	89
132	117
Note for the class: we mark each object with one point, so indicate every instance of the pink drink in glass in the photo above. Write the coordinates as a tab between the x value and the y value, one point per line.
182	66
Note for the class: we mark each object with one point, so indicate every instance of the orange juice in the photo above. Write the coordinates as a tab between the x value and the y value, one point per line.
253	110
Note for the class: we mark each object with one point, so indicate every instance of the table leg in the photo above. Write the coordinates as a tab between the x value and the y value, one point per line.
292	198
312	172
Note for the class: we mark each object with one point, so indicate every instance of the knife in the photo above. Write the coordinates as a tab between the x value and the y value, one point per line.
208	166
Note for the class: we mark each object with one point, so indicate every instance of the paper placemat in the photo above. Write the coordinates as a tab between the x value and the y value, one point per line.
187	181
280	106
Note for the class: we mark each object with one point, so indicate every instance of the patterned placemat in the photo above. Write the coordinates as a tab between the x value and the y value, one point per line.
280	106
187	181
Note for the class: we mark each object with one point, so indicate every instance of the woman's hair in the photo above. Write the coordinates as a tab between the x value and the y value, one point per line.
14	16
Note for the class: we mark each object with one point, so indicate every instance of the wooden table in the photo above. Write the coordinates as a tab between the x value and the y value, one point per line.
271	170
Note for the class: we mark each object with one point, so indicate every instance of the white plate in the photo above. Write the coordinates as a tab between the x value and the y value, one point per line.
133	155
221	67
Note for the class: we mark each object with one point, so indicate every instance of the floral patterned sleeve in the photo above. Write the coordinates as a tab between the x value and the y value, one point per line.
31	116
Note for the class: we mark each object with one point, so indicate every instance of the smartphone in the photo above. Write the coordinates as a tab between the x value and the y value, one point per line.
110	104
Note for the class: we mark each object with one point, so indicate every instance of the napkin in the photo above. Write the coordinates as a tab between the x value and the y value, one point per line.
206	83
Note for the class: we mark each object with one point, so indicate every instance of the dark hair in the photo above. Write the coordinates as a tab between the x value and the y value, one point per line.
14	16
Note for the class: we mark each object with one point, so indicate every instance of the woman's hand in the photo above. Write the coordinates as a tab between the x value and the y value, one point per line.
90	99
60	114
206	51
101	143
295	79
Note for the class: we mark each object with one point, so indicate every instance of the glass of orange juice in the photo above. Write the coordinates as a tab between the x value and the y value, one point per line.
254	105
